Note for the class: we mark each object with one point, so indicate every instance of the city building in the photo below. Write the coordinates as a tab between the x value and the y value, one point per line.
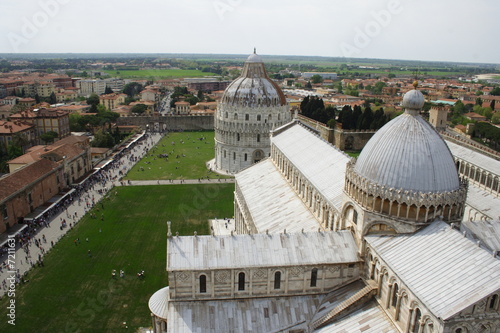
88	87
251	106
182	107
111	101
324	75
10	129
26	189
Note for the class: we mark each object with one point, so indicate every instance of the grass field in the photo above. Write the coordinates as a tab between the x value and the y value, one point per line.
190	163
75	292
157	73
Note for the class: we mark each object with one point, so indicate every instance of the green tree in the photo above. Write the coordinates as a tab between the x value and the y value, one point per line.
108	90
200	95
495	91
103	139
132	89
192	100
14	151
316	78
93	101
139	108
309	85
52	98
495	119
48	137
331	123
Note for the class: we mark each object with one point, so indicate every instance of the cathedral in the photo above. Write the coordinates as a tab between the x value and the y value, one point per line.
401	239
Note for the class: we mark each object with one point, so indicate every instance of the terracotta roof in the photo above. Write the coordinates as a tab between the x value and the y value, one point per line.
13	127
22	177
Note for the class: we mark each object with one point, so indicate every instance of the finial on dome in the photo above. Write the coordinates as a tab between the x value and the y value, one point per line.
415	84
254	50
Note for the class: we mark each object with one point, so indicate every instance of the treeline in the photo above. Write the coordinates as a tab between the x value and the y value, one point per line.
488	133
357	118
362	119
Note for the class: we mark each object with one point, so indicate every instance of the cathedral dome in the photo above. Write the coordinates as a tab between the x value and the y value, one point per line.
253	88
408	154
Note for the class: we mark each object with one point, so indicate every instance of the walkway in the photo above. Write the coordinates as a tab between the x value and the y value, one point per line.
25	259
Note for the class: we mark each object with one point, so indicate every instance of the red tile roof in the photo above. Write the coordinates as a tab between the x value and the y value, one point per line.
22	177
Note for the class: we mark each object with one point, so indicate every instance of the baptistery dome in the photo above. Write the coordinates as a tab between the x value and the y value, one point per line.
251	106
253	88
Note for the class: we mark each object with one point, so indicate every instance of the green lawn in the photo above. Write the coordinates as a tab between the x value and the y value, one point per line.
186	162
157	73
75	292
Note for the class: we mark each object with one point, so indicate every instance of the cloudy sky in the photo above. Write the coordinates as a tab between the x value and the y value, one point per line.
443	30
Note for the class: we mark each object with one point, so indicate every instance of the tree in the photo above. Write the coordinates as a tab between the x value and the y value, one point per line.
52	98
74	124
48	137
366	119
309	85
331	123
139	108
495	91
103	139
108	90
93	100
200	95
316	78
492	104
132	89
479	101
37	98
495	119
192	100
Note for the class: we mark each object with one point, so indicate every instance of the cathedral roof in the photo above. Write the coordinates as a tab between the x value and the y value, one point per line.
407	153
231	251
253	88
321	163
446	271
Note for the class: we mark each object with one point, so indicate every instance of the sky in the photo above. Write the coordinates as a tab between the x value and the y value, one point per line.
436	30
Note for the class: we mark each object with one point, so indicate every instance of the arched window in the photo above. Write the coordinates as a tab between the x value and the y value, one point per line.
355	217
416	321
247	117
314	277
258	117
493	302
234	156
237	136
235	116
227	115
258	137
246	157
279	116
203	283
395	291
241	281
277	280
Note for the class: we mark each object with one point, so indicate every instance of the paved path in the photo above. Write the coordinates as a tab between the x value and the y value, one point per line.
23	262
26	257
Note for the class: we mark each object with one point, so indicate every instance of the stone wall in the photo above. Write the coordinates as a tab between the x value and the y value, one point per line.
170	123
342	139
260	281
